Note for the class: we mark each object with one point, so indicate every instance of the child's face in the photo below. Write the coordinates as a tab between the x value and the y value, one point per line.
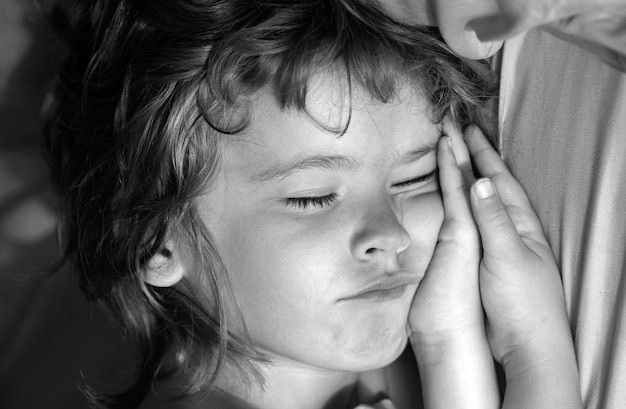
307	222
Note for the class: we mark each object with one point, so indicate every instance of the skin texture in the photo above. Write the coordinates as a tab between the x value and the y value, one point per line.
295	266
302	245
520	290
522	294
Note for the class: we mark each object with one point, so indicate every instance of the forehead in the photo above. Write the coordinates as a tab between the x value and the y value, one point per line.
373	130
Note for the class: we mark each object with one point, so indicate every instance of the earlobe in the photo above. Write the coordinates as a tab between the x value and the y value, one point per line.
165	268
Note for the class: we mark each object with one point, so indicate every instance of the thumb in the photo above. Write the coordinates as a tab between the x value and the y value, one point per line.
498	233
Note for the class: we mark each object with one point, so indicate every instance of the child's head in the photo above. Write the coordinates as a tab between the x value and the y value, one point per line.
263	158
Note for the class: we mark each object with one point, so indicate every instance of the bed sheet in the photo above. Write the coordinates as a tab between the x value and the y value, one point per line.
562	130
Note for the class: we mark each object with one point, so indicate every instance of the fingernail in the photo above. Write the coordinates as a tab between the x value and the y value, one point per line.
483	188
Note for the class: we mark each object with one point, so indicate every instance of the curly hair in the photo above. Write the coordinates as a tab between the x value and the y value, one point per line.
146	95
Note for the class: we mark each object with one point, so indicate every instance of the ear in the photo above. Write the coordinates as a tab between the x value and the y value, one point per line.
165	268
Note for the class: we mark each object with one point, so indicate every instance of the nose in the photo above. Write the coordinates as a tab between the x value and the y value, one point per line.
380	233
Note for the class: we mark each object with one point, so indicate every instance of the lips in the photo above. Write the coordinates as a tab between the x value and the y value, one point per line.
388	288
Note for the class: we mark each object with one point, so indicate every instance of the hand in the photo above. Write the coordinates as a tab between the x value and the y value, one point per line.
447	302
520	284
446	318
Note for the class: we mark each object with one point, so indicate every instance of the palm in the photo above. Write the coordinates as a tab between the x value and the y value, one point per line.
448	297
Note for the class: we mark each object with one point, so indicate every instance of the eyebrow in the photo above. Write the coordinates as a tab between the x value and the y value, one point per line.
420	152
333	162
310	162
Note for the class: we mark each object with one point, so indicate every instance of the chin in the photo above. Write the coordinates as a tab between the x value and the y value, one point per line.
377	352
376	340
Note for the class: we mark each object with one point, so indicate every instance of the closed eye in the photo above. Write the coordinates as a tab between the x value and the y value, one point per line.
420	179
304	203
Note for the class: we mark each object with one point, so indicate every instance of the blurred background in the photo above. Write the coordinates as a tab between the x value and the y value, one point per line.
51	340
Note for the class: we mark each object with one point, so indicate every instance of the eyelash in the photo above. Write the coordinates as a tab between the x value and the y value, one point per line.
420	179
304	203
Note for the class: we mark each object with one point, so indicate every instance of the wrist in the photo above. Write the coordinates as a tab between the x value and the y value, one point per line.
543	373
538	345
457	371
433	348
539	353
542	379
441	331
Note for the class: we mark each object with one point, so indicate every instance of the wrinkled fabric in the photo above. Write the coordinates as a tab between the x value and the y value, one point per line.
563	133
601	33
475	28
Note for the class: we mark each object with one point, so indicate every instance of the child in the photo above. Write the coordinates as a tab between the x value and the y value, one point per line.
252	189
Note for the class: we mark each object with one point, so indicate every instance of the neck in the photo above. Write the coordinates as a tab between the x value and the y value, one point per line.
289	385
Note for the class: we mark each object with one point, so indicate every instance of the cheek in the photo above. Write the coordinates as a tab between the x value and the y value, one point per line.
279	271
422	217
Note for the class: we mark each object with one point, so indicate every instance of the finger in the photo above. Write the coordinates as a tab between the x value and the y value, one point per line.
497	231
461	153
486	159
510	192
490	165
453	189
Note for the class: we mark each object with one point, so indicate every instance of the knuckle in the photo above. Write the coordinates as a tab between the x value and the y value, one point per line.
451	187
499	218
495	215
458	226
